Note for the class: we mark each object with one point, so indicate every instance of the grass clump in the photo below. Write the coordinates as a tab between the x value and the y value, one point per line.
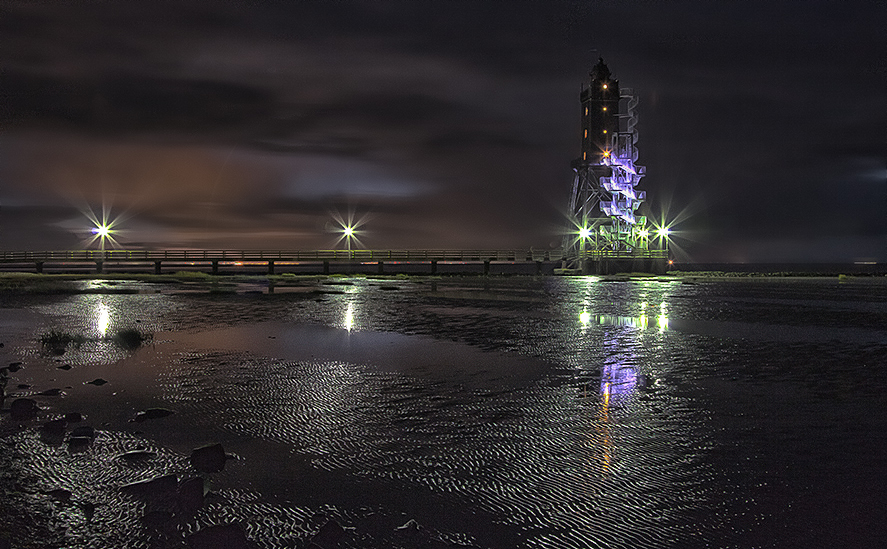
192	275
130	338
58	341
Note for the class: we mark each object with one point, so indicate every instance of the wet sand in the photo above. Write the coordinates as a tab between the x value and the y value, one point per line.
390	413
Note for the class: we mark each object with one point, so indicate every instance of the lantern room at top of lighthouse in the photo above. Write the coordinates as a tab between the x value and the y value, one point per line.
600	114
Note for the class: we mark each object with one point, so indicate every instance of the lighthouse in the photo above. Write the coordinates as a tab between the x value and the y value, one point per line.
604	200
600	114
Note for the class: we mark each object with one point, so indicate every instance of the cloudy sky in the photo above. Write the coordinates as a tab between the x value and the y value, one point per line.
246	124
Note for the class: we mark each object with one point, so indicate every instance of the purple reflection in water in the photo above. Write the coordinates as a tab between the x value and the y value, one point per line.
618	381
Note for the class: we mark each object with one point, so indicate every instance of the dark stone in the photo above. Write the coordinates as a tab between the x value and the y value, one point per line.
328	535
60	494
50	392
73	417
79	444
413	534
64	367
88	509
23	408
137	455
97	382
209	459
84	431
55	427
191	494
152	413
410	525
156	519
14	367
24	385
153	487
220	536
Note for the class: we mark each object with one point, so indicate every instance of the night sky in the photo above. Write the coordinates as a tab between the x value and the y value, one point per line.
236	124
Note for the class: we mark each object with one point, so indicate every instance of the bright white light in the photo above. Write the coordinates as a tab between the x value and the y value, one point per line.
349	229
644	233
349	317
584	318
663	231
103	229
584	232
104	319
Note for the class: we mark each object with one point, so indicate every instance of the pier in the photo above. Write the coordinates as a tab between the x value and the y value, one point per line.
330	261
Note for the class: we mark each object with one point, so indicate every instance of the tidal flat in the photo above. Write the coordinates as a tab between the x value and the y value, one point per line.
406	412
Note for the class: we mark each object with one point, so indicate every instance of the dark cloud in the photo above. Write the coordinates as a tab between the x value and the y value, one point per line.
450	123
130	103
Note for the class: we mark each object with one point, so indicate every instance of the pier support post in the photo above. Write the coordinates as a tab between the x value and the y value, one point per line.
270	267
434	266
215	267
39	267
538	267
486	267
381	267
326	267
99	267
157	267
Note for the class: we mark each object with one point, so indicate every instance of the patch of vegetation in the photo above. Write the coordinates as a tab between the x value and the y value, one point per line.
192	275
217	288
130	338
58	341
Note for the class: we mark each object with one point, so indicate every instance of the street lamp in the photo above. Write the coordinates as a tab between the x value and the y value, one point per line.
348	234
103	232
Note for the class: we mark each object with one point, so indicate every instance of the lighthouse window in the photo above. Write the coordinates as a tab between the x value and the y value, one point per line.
586	111
586	133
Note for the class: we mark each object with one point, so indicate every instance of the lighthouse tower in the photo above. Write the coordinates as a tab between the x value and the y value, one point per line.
604	199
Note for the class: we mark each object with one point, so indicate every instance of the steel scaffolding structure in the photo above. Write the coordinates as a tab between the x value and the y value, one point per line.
605	199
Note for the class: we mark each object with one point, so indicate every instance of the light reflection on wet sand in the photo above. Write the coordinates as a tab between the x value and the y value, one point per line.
568	413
